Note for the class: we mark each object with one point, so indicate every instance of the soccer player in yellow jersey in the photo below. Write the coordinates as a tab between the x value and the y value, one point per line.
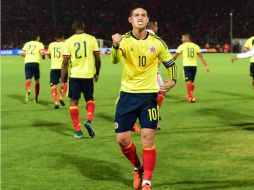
248	45
83	52
190	51
55	53
32	51
140	52
152	27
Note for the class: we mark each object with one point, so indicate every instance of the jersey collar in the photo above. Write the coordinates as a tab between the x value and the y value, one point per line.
147	34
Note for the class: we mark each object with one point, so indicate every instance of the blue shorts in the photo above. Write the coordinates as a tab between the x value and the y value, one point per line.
77	85
55	75
252	70
32	69
190	73
133	106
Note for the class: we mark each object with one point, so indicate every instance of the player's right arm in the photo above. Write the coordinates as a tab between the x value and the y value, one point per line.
243	55
178	52
116	53
65	64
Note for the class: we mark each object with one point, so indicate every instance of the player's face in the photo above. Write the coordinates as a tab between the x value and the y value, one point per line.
139	18
155	28
184	39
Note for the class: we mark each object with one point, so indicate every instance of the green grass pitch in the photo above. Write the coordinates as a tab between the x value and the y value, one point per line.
204	145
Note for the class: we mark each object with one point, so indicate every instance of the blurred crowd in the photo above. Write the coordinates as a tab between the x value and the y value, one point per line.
106	17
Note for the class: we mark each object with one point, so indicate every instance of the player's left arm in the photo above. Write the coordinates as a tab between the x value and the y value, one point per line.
203	61
23	51
167	60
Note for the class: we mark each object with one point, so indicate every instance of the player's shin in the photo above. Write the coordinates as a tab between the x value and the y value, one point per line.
130	153
28	85
37	90
189	89
54	94
160	99
90	109
74	112
64	90
149	160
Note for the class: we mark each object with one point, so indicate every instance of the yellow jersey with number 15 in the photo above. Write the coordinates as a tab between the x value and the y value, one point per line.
81	49
55	50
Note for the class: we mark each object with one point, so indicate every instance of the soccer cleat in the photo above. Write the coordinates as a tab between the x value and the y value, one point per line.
137	181
193	100
36	99
188	98
88	126
27	97
62	102
78	135
146	187
136	128
56	106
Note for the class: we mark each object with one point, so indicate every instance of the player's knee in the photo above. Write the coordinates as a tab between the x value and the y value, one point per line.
123	141
147	138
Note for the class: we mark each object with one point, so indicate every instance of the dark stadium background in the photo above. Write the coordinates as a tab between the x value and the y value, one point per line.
206	20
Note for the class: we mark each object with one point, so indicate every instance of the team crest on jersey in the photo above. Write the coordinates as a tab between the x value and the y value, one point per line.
152	49
132	49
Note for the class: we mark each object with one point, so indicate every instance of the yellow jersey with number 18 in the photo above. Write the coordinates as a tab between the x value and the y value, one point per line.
81	49
189	52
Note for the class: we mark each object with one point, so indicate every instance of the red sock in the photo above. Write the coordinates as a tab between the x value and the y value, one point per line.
37	89
63	92
131	153
160	99
192	86
189	88
75	117
28	84
149	160
90	108
54	94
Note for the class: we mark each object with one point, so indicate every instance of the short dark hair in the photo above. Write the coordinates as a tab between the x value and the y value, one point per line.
59	35
78	25
136	6
34	35
151	23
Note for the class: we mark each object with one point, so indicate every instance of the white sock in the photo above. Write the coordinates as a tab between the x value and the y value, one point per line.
146	182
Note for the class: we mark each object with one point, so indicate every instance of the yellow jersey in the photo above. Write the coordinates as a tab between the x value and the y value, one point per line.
189	52
249	44
55	49
81	49
33	51
140	62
